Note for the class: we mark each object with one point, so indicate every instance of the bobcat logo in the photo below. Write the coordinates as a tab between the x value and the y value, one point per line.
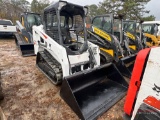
156	88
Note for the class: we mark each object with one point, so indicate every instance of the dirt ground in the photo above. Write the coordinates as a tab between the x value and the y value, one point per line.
29	95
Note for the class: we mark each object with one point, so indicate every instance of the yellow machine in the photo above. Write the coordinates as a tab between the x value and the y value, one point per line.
130	36
101	33
116	45
24	37
151	33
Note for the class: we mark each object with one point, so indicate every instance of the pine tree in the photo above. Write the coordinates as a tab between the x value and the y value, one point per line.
34	6
38	6
131	9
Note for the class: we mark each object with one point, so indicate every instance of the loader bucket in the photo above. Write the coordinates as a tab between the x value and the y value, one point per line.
126	64
91	93
27	49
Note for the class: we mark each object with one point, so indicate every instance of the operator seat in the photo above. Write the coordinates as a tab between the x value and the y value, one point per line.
66	35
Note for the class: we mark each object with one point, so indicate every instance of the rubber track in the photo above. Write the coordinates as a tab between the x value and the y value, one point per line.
108	57
53	65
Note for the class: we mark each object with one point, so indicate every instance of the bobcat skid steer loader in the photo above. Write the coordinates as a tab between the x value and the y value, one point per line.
143	99
23	38
66	57
106	31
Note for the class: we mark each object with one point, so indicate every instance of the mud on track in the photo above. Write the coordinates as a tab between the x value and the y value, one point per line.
29	95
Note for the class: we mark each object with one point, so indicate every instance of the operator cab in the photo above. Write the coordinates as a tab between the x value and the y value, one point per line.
150	28
65	23
117	27
104	22
29	19
129	26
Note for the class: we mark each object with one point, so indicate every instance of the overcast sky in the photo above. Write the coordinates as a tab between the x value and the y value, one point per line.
153	5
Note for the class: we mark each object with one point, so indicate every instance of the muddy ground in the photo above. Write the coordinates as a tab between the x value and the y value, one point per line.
29	95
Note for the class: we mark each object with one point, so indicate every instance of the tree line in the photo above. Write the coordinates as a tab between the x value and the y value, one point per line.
12	9
131	9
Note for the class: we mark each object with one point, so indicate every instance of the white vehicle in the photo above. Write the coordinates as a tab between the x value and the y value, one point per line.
7	27
65	56
143	99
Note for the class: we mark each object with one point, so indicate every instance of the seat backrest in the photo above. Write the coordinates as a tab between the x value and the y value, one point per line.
66	35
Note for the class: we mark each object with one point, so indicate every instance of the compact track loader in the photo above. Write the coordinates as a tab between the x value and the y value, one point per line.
66	57
23	37
130	42
101	33
151	33
106	31
143	99
130	35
